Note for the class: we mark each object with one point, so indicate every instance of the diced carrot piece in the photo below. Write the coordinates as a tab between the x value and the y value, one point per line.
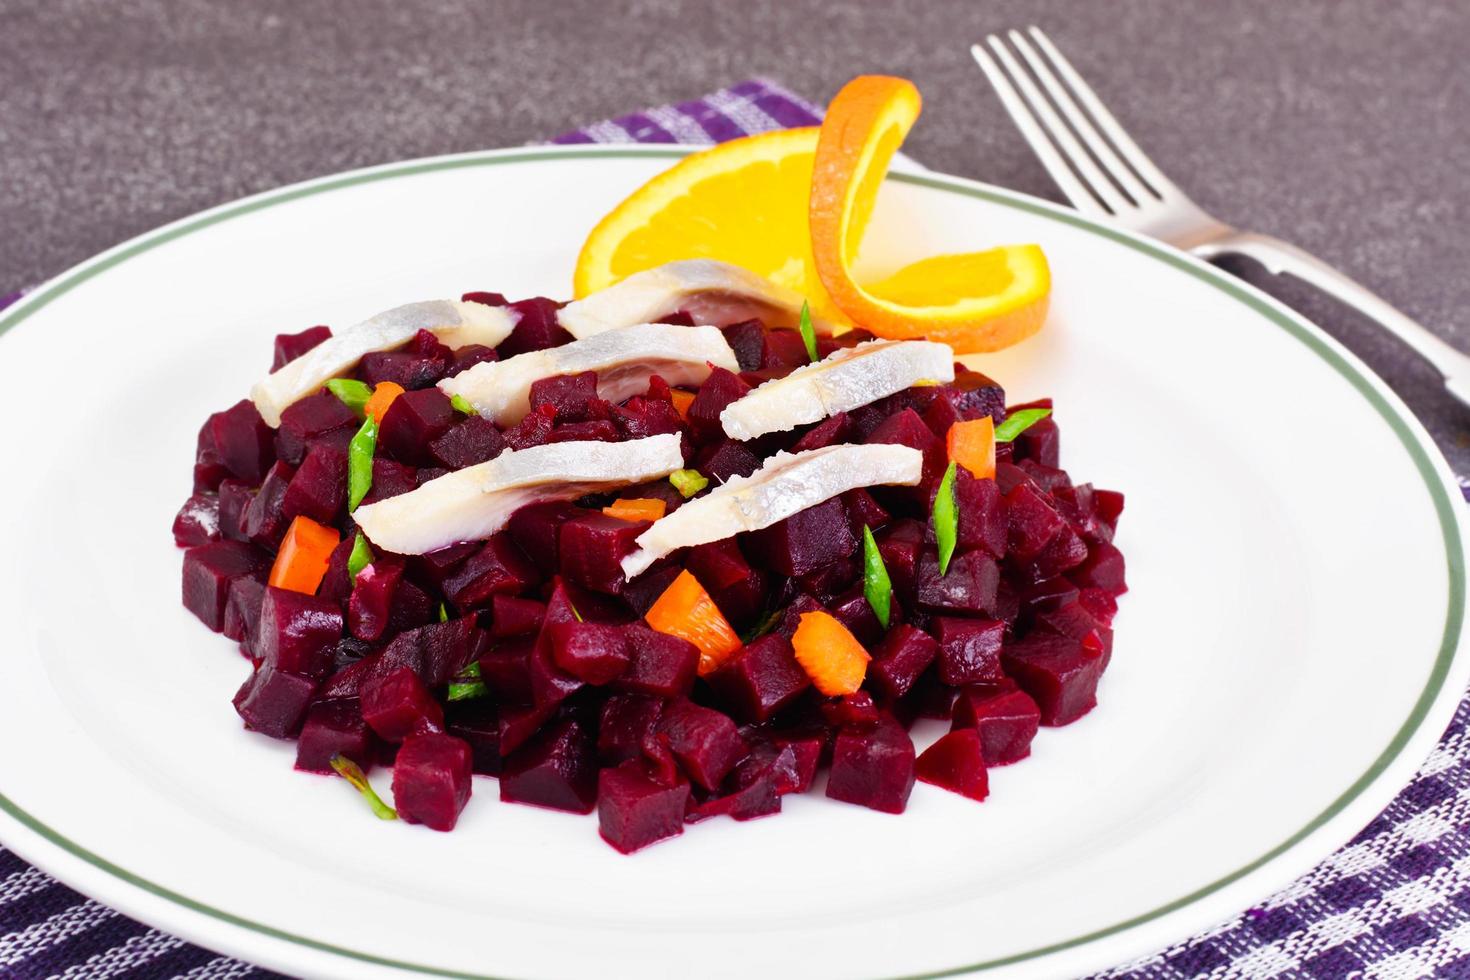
384	394
636	509
682	401
302	561
831	656
685	610
972	445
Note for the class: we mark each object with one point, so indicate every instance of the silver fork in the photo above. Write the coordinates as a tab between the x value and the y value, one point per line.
1113	180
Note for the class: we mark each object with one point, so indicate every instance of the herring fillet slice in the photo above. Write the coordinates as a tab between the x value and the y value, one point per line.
624	360
473	503
708	290
785	484
846	379
454	322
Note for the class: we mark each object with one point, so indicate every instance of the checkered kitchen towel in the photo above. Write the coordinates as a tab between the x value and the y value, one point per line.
1395	903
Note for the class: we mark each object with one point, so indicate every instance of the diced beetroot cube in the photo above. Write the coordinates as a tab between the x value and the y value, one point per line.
940	416
1103	569
755	799
318	489
519	724
705	742
557	770
725	459
1048	478
873	768
264	522
468	356
514	616
209	469
537	328
412	422
906	428
855	711
969	585
274	702
955	762
333	728
298	633
537	529
829	432
661	665
863	510
849	338
900	545
969	650
498	568
478	724
372	598
234	498
975	396
633	811
806	540
549	683
487	298
437	651
411	607
410	370
244	443
569	394
242	610
719	389
791	616
347	682
904	654
390	478
738	589
852	609
747	339
1033	521
1006	720
290	346
641	593
1041	442
396	704
1065	551
197	521
313	417
474	440
1109	506
593	652
426	343
783	350
795	767
930	697
760	679
658	759
1102	605
597	430
627	719
1077	621
1048	594
592	546
533	430
431	780
638	418
208	571
1058	672
436	566
505	669
982	515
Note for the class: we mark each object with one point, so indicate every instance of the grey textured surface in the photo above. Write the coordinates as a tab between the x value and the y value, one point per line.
1341	126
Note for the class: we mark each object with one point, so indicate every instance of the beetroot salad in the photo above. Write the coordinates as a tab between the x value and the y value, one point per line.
667	552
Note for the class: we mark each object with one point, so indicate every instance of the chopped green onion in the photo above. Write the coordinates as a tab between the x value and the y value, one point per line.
360	462
353	394
361	557
688	482
808	335
877	587
768	622
1018	422
467	684
349	771
946	519
461	404
443	613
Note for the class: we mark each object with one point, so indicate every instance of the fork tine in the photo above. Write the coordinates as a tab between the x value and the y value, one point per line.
1035	135
1110	126
1099	185
1104	154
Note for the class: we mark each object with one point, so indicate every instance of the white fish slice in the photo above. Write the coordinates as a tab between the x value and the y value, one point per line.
473	503
710	291
785	484
624	360
454	322
845	379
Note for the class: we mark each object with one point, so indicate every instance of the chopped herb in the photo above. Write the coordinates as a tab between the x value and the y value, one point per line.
768	622
808	334
353	394
360	462
1018	422
349	771
467	684
361	557
688	482
877	587
946	519
461	404
443	613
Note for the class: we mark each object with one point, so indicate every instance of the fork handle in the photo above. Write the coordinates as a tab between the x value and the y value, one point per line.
1278	257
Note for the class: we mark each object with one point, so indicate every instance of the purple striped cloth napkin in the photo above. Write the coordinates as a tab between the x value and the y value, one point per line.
1394	903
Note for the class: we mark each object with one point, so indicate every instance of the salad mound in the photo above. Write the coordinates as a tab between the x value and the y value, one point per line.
665	598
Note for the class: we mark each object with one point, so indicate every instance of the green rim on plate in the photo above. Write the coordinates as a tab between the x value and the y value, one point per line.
1445	506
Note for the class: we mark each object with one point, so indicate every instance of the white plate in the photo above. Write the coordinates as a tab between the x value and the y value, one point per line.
1290	651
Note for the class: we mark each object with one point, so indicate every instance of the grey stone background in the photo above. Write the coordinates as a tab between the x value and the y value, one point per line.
1341	126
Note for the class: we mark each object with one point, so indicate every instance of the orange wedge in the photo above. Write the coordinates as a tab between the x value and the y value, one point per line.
974	302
